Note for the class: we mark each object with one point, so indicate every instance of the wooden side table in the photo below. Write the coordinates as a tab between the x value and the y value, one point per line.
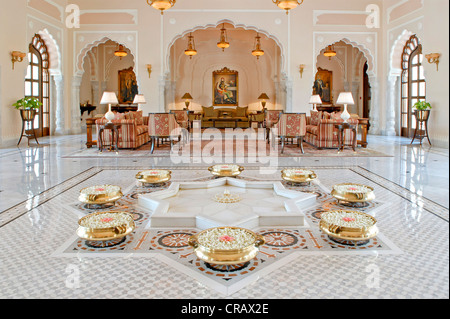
346	126
115	137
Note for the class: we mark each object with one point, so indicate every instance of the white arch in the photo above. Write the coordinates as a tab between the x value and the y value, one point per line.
236	26
53	50
84	52
395	65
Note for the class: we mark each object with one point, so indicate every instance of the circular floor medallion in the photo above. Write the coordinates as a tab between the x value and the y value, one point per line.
283	240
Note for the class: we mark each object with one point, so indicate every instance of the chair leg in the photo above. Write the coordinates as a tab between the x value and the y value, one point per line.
153	144
301	145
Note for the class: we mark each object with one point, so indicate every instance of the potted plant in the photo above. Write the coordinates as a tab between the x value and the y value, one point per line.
422	110
28	107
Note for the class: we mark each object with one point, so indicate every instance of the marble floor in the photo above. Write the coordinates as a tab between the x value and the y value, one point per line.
38	184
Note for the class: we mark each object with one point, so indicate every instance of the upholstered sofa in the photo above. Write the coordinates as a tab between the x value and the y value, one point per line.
133	131
225	117
322	133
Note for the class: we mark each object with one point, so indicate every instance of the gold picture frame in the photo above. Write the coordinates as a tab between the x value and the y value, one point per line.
323	85
128	87
225	87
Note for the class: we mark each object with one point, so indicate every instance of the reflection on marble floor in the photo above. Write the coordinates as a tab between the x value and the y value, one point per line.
39	214
40	254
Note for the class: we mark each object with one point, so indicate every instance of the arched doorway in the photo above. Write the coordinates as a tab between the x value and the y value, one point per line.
195	76
413	84
37	83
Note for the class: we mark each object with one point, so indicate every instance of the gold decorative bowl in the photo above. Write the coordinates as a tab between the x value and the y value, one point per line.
105	226
349	225
155	176
237	254
353	193
100	195
298	175
225	170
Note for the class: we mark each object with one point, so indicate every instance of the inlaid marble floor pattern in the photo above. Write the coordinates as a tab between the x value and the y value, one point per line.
41	257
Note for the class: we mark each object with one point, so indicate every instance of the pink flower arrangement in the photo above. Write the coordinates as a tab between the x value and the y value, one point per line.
226	238
100	190
348	219
107	220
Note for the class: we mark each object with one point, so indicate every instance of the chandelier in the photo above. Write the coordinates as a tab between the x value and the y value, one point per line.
257	52
121	53
223	44
191	51
287	4
162	4
330	52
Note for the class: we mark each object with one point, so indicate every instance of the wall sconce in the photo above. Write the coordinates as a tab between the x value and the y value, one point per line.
17	56
433	58
302	69
149	69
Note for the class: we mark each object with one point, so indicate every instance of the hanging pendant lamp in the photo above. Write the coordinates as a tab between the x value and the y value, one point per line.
223	43
191	51
162	5
258	52
287	4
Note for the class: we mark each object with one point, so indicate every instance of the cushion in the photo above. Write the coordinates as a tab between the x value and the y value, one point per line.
138	116
119	116
241	111
315	118
326	116
336	116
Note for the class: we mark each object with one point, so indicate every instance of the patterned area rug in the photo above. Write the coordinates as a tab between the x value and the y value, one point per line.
237	148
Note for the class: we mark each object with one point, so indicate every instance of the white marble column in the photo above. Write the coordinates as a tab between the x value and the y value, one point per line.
375	106
96	96
355	92
76	115
162	92
59	105
391	105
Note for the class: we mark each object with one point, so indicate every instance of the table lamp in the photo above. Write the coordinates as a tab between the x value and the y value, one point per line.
345	98
109	98
315	99
264	97
188	99
139	99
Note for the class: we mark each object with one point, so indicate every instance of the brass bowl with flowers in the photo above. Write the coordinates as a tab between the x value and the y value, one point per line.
351	193
104	226
226	170
100	195
226	245
298	175
349	225
155	176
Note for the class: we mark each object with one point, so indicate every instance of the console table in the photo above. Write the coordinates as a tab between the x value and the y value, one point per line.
89	124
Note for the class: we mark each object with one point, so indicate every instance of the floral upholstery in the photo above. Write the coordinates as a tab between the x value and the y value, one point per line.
182	118
131	135
163	125
272	117
292	125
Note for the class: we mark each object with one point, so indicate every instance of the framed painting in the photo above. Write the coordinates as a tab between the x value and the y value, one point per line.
225	87
128	87
323	85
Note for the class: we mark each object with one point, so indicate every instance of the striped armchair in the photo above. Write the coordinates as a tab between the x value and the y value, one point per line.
290	126
163	126
182	118
133	133
271	119
324	134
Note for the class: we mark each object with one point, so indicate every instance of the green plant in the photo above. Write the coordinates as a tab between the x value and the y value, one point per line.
30	103
422	106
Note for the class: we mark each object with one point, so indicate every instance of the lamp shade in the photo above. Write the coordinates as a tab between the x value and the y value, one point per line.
315	99
139	99
264	96
345	98
109	98
187	96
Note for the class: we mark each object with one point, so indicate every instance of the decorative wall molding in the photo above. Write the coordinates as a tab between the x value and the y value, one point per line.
53	4
318	13
112	13
395	6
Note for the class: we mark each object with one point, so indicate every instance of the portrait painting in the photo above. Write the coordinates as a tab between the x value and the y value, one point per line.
225	88
323	85
128	87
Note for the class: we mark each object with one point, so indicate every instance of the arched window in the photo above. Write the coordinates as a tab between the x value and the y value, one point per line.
413	84
37	83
